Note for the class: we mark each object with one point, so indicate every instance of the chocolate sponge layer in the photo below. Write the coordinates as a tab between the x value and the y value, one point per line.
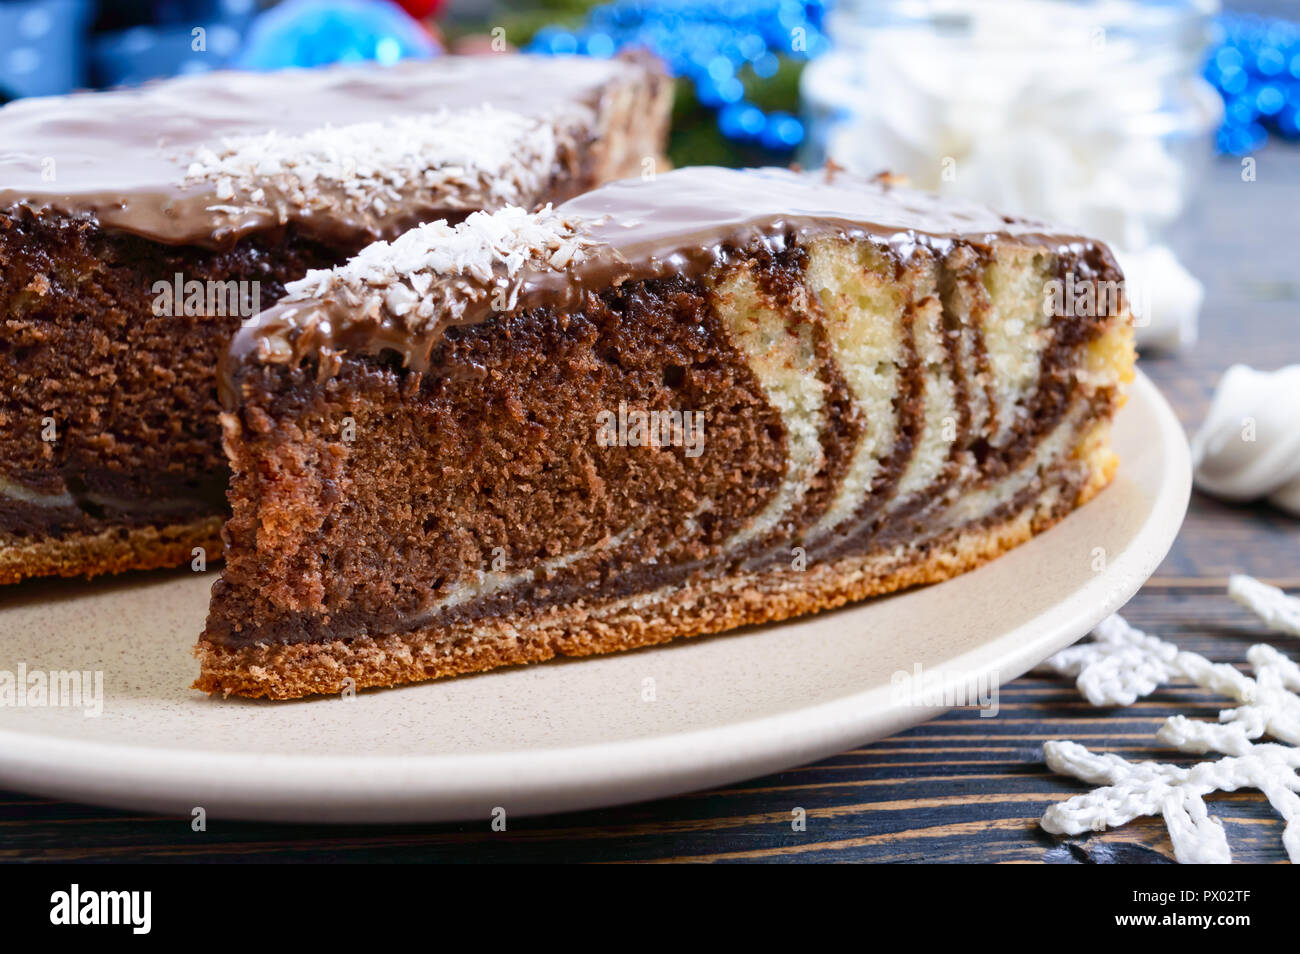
127	396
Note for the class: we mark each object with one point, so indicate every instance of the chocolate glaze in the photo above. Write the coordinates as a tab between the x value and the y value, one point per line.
119	158
685	222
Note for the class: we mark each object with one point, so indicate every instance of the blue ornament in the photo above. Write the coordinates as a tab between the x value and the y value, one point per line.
600	45
317	32
741	121
782	131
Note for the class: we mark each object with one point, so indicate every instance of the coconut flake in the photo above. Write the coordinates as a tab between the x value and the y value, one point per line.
436	270
454	159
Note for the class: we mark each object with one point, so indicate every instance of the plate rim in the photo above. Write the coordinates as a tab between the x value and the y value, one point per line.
287	787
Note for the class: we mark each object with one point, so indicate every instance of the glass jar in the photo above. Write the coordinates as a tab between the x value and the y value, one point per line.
1088	113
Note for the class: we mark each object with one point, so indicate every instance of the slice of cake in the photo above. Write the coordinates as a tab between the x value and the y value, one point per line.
665	408
138	227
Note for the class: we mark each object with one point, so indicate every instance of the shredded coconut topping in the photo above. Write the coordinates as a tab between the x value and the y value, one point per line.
433	272
481	157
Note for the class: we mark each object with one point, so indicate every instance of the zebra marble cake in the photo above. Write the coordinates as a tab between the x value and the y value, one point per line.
668	407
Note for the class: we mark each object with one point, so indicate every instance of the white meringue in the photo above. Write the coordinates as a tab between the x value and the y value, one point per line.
1249	446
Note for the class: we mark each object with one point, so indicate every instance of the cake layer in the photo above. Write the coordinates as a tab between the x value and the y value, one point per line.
668	407
139	228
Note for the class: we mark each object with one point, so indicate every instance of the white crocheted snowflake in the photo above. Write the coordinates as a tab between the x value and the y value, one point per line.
1275	608
1123	664
1134	789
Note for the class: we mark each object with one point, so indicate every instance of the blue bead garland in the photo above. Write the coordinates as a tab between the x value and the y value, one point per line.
1255	66
710	43
1254	62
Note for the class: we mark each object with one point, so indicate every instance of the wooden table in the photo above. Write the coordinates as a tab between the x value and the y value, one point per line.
959	788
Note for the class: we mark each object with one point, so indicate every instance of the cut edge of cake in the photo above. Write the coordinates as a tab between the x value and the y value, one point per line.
929	414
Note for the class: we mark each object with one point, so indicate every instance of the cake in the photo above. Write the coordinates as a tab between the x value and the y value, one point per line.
668	407
139	227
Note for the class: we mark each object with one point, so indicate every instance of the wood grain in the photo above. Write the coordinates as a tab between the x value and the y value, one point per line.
958	789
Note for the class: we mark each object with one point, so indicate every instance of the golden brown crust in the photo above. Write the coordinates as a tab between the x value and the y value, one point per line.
293	671
113	551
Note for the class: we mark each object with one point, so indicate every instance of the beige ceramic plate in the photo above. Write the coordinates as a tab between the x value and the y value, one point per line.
563	735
